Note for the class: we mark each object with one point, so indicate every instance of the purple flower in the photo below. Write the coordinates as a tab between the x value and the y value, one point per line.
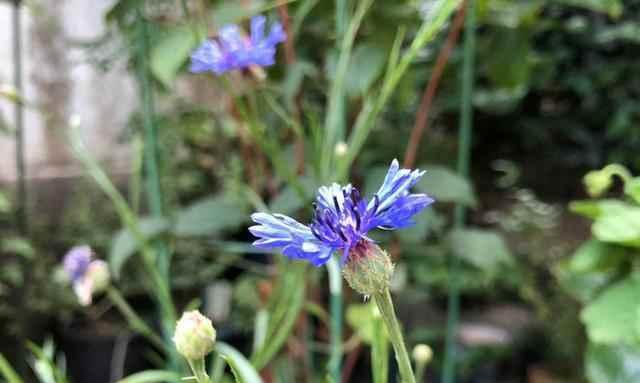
76	262
233	50
342	218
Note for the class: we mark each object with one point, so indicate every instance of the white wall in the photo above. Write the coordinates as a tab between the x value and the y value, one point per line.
56	78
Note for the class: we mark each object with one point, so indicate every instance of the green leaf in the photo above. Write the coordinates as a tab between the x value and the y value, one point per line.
18	246
594	209
361	317
284	306
171	52
209	216
611	317
5	204
446	186
152	376
366	321
625	31
8	372
365	66
632	189
594	255
242	369
484	249
612	364
289	200
612	7
508	64
124	244
621	227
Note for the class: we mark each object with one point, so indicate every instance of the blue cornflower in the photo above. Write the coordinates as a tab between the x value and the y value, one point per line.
76	262
342	218
233	50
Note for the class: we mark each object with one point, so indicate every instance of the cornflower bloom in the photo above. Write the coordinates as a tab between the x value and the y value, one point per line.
233	50
343	219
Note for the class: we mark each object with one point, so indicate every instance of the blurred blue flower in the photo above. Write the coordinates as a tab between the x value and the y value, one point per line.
342	218
233	50
76	262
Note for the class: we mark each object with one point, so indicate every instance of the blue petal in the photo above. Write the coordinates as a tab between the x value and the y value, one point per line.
276	35
206	57
392	206
329	196
295	239
257	29
401	213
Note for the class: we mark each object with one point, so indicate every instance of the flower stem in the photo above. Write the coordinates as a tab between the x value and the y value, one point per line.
199	371
335	287
385	305
133	319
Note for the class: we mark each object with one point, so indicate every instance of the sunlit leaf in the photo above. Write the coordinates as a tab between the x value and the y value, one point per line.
484	249
171	52
241	367
446	186
611	317
612	364
209	216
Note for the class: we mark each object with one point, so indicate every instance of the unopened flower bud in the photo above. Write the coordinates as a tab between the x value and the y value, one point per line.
341	149
422	354
597	182
195	336
368	269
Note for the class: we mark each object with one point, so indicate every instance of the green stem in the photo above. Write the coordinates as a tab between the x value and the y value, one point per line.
335	288
464	154
385	305
420	368
151	155
618	170
159	285
199	370
133	319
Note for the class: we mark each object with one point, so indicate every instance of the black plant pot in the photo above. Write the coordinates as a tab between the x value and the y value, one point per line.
101	354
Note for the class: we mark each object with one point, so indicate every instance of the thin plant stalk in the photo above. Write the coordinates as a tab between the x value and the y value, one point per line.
335	312
385	305
396	69
151	156
199	370
422	117
159	285
335	110
133	319
464	154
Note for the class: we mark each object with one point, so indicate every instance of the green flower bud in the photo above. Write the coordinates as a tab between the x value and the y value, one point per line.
422	354
368	269
598	182
195	336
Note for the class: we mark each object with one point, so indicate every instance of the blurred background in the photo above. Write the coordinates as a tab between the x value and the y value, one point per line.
543	297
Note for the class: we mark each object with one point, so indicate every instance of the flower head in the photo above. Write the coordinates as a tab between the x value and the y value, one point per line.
76	262
195	336
343	218
87	276
233	50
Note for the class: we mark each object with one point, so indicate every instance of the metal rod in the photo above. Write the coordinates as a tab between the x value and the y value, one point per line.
21	185
464	156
